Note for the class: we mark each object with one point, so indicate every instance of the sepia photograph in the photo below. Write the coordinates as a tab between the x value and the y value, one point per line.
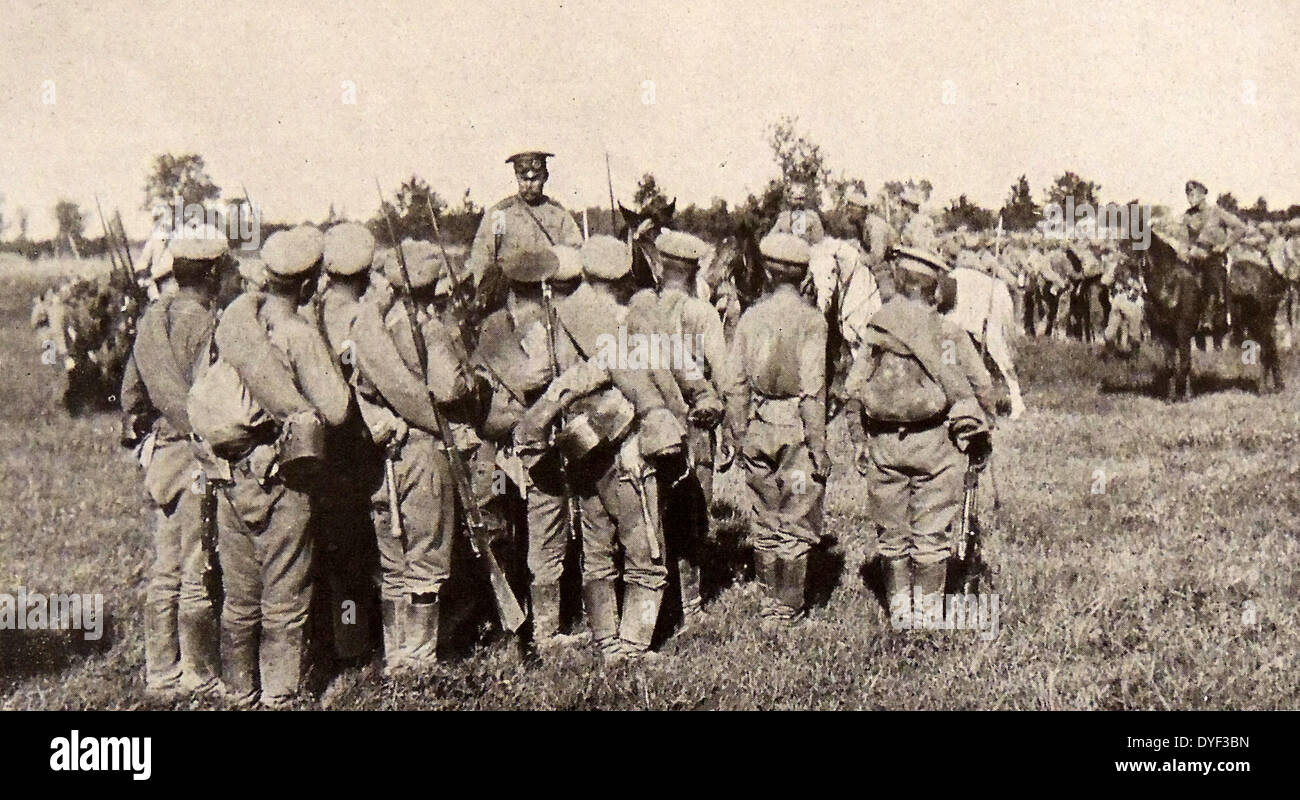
740	356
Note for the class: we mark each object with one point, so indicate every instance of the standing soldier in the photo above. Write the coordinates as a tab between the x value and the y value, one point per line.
1212	232
347	560
875	236
912	412
776	408
613	476
155	256
415	508
528	220
694	325
799	217
264	542
173	333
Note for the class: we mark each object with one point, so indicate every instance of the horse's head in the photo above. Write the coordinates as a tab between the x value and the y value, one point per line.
657	212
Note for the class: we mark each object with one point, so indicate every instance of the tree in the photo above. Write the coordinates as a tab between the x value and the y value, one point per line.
892	189
1227	202
409	212
182	176
961	212
1020	212
648	192
797	156
70	220
1071	185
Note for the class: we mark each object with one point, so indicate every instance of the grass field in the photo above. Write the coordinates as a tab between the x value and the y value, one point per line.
1145	558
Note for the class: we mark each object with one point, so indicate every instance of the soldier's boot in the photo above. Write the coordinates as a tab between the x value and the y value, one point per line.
421	629
281	666
928	584
898	591
601	605
162	657
765	570
688	575
546	619
792	577
239	666
394	646
200	652
640	615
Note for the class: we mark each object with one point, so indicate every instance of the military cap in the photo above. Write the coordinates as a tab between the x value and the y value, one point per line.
918	260
199	244
856	198
912	195
311	231
421	264
348	249
1194	184
606	258
253	270
681	246
529	163
530	265
570	262
290	253
785	252
1293	225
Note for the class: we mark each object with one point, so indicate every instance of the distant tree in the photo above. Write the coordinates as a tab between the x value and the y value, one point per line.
961	212
1227	202
70	220
183	176
1020	212
648	191
1071	185
797	156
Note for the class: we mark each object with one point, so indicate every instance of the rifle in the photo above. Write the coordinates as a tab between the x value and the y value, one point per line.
511	615
457	296
109	243
570	501
973	566
609	179
137	292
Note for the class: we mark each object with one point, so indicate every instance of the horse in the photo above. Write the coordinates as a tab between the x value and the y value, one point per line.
1175	303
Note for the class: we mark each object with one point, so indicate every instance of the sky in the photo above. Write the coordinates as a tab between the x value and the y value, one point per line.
1136	96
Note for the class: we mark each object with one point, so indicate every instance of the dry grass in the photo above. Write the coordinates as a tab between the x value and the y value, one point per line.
1135	597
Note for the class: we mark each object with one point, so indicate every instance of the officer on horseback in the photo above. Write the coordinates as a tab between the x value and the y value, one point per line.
1212	232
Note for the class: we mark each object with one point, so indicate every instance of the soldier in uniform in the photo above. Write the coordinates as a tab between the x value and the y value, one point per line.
181	651
1212	232
615	479
528	220
915	229
799	217
875	237
695	324
414	509
776	409
910	436
263	514
154	256
347	560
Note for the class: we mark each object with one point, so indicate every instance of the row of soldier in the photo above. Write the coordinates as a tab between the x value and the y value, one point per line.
341	393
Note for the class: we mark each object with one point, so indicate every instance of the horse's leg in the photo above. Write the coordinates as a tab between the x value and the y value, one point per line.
1185	367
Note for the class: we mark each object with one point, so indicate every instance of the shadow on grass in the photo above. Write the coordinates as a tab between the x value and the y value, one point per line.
27	653
1202	384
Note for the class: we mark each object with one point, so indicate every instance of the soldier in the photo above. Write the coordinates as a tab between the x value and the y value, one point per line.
1212	232
347	560
528	220
912	417
173	333
876	237
414	509
614	478
915	229
696	326
514	353
776	409
799	217
155	250
264	541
